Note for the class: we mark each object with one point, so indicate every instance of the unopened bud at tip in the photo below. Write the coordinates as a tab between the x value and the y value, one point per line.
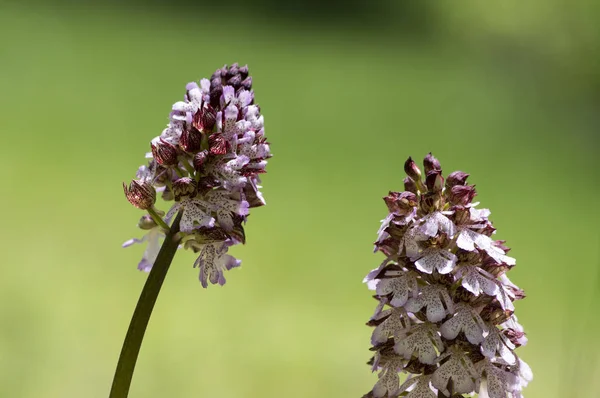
412	170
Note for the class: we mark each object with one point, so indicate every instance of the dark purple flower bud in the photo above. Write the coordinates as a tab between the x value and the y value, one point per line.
244	71
461	194
247	83
215	93
434	181
412	170
200	159
431	163
184	186
410	185
141	194
456	178
217	144
233	70
164	153
235	81
219	72
191	140
205	119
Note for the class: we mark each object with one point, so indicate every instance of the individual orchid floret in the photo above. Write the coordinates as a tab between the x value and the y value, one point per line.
445	314
163	152
393	322
207	163
419	387
422	342
456	373
141	194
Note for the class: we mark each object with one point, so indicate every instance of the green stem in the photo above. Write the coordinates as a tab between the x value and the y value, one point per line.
177	171
157	219
141	315
188	167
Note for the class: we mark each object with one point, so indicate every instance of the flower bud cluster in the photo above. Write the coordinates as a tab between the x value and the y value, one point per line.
207	161
445	314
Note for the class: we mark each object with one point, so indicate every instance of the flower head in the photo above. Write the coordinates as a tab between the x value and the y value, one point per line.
207	161
445	313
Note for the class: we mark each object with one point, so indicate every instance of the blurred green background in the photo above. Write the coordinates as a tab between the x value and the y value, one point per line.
506	91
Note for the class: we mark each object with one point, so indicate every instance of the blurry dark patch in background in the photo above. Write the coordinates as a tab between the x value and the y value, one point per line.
415	19
548	45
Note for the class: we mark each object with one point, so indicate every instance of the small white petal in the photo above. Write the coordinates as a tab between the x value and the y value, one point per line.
435	222
436	259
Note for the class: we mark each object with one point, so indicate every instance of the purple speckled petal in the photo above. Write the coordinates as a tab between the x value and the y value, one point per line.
228	95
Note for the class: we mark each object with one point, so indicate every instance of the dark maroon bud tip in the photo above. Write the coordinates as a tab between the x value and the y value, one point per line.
410	185
431	163
244	71
215	82
411	169
217	144
456	178
209	119
141	194
200	159
235	81
233	70
215	96
434	181
247	83
205	119
191	140
164	153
